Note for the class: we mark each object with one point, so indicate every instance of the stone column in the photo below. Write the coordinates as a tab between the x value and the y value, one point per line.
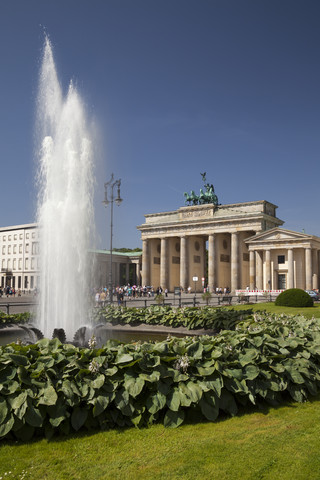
183	263
138	279
290	269
315	268
252	270
145	262
164	263
212	272
268	270
234	261
308	256
259	275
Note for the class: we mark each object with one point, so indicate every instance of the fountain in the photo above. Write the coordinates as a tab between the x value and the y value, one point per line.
65	203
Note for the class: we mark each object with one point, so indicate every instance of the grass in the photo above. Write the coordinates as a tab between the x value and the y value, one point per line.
281	444
270	307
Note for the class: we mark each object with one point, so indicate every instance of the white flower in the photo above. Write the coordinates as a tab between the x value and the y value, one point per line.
182	363
94	366
92	342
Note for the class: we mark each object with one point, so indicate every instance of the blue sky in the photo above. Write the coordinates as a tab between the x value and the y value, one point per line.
175	88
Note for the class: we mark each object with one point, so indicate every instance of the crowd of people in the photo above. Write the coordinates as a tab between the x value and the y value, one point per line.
9	292
129	292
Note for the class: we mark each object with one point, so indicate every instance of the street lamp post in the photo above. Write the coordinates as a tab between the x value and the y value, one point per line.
108	188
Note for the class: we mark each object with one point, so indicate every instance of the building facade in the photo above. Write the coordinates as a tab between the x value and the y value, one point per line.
236	246
126	268
20	261
19	256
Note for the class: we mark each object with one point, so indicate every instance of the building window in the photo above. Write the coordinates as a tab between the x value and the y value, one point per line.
9	237
20	263
26	263
35	248
281	281
27	247
14	264
4	238
32	263
281	259
9	248
27	235
14	249
15	237
3	250
21	236
20	248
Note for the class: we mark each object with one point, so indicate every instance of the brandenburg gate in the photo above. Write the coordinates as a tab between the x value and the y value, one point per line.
174	244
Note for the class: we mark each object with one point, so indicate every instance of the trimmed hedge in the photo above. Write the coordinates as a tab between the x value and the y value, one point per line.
294	297
49	388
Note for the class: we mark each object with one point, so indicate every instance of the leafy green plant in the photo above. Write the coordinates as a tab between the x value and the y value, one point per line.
206	296
294	297
50	387
15	318
189	317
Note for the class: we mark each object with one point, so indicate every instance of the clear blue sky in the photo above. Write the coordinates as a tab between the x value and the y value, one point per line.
176	87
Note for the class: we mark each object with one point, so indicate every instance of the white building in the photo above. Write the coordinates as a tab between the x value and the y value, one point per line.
19	256
20	262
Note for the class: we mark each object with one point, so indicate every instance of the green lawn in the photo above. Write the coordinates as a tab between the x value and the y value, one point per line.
270	307
281	444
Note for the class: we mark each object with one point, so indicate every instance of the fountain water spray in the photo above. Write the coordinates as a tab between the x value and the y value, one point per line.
65	203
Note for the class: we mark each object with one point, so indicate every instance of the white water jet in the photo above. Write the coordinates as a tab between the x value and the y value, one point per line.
65	203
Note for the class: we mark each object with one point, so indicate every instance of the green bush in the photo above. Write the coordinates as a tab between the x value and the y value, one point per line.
49	388
192	318
294	297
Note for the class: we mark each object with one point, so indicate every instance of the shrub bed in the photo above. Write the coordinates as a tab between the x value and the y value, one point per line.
189	317
15	318
50	388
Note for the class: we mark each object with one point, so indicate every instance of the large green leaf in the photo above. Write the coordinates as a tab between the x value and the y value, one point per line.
49	396
133	385
19	359
78	417
173	400
3	410
173	419
251	372
33	416
209	406
155	402
123	358
100	404
17	400
227	403
7	373
6	425
247	356
194	391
